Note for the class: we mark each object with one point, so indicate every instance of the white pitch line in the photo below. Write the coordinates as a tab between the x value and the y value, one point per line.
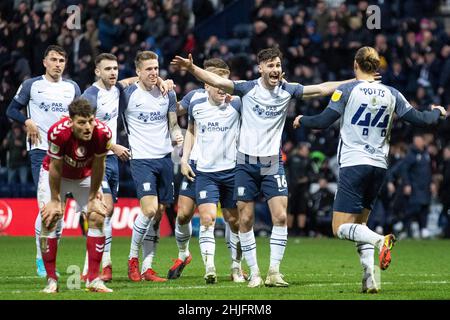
333	284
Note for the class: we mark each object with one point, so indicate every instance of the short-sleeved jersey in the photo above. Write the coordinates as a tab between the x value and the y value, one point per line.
217	132
106	105
263	115
366	110
184	103
146	116
46	102
76	154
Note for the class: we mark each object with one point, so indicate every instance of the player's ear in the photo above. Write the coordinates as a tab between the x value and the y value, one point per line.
97	72
259	68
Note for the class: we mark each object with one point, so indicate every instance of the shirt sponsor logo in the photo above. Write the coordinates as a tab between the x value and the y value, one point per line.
54	107
212	127
267	112
152	116
74	163
369	149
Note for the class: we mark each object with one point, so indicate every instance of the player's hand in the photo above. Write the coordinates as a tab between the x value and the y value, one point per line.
178	138
281	78
165	86
377	76
296	124
228	98
96	205
407	190
183	63
187	171
441	109
33	132
51	212
121	152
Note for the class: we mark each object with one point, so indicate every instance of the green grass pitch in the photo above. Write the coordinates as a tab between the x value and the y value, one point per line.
315	268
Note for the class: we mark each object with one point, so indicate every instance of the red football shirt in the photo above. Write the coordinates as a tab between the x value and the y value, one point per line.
77	154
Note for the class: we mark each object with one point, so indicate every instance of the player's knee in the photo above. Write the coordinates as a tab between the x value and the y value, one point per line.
233	221
279	219
246	220
183	217
207	220
109	209
149	211
96	220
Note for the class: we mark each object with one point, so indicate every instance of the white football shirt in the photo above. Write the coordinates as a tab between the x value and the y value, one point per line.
217	132
366	110
263	115
146	120
106	104
46	103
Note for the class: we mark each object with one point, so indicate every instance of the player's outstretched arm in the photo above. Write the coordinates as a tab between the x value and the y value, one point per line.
321	121
424	118
128	81
203	75
186	169
323	89
165	85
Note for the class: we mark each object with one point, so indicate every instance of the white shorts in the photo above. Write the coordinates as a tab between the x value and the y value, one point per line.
78	188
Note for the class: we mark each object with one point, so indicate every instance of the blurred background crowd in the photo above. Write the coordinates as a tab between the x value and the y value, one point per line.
318	40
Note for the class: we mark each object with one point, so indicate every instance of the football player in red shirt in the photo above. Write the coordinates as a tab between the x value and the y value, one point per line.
75	163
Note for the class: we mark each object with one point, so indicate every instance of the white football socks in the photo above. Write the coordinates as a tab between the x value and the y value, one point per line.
207	244
182	236
278	240
140	227
149	245
360	233
248	244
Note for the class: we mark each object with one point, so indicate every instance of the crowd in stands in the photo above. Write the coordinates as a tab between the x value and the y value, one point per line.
318	40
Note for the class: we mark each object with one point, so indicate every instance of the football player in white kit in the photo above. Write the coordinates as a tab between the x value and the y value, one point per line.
217	126
46	99
259	165
366	109
105	95
186	197
151	123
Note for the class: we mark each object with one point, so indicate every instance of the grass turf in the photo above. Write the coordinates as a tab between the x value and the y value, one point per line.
315	268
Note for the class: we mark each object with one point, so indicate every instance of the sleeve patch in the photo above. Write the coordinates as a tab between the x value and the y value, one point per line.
336	96
54	148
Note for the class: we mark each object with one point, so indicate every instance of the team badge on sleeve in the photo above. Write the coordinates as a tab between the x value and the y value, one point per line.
336	95
53	148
